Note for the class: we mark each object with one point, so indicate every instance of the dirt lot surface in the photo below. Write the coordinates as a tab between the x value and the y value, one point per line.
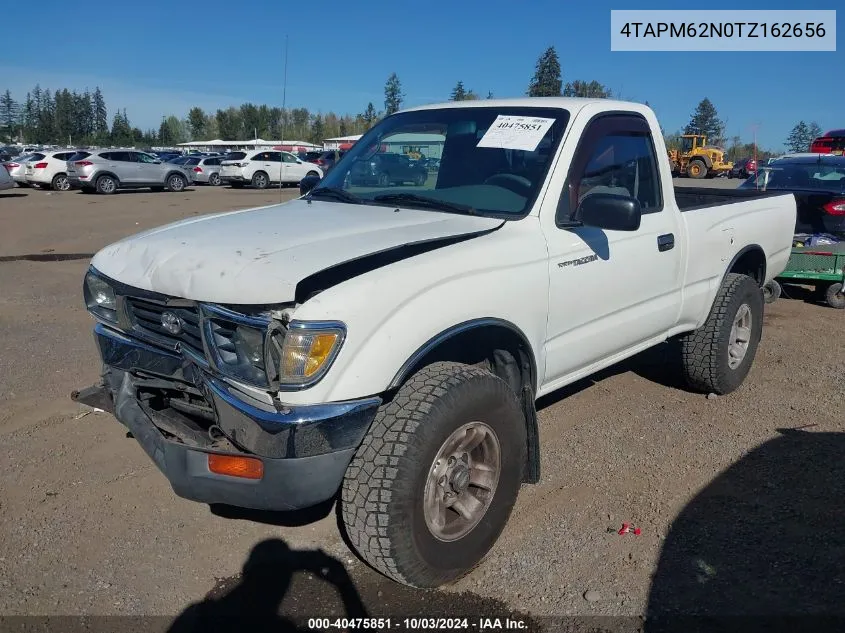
737	513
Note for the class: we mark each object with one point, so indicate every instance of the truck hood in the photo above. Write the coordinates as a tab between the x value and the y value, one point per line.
257	256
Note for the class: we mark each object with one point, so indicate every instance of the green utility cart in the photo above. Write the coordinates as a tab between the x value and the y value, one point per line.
819	266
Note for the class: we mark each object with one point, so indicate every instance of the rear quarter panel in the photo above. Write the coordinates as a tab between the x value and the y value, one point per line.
717	235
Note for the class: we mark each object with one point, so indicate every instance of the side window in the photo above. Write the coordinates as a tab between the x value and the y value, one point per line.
125	157
63	156
615	155
288	158
274	157
145	158
107	155
261	156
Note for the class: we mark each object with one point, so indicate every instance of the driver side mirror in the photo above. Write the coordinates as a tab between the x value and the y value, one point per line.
610	212
307	184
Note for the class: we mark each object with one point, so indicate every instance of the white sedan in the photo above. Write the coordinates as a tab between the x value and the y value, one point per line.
50	172
264	168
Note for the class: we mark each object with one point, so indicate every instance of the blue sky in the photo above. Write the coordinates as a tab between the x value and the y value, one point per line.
164	56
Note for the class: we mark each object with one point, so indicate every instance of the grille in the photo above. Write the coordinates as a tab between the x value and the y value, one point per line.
146	317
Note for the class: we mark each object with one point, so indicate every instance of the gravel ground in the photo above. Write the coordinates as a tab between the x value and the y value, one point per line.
738	515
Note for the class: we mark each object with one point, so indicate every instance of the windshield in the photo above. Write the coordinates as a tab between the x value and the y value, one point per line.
492	161
820	176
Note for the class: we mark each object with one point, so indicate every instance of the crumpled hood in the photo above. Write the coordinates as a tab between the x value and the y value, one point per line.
257	256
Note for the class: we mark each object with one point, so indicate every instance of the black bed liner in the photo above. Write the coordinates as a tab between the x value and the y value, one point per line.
693	198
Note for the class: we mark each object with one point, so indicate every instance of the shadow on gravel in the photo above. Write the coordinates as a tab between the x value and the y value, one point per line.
46	257
762	547
13	195
296	518
280	589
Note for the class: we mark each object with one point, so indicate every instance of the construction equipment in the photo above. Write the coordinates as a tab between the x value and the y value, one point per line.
697	159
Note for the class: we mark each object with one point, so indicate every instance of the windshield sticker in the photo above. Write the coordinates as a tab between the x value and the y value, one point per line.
516	132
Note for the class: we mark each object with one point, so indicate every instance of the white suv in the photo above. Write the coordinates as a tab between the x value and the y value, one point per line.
50	172
263	168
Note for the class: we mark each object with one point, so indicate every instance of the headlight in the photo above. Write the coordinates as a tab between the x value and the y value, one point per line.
99	297
238	350
305	353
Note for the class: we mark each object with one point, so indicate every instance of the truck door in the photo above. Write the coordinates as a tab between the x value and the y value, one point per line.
611	290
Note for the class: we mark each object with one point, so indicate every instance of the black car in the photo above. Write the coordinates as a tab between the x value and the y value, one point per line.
388	169
309	157
818	184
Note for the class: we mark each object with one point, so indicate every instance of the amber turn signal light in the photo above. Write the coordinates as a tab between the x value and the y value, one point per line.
236	466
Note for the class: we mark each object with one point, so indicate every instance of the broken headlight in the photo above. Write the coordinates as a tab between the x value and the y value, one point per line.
236	343
99	297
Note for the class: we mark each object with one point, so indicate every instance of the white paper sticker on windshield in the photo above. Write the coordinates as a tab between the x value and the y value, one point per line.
516	132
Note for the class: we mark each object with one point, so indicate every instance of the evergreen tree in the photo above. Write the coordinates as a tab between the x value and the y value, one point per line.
590	89
489	94
101	115
393	95
458	92
9	115
370	116
198	123
799	138
317	130
705	120
814	131
546	81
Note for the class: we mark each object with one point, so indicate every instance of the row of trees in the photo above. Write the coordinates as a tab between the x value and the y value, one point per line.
73	117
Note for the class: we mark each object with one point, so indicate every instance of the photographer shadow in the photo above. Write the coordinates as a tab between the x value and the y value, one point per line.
254	603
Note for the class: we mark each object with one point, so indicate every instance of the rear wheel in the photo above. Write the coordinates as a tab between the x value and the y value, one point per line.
214	180
260	180
60	183
834	296
106	184
697	169
718	356
176	183
434	481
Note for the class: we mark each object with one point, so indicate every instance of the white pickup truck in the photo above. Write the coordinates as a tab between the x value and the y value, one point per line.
388	341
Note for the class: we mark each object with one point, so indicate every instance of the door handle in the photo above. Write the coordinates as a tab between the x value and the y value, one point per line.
665	242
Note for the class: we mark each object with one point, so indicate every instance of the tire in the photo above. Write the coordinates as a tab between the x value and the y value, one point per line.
260	180
383	180
386	485
705	351
311	173
772	291
834	296
106	184
214	180
697	169
60	183
176	183
419	181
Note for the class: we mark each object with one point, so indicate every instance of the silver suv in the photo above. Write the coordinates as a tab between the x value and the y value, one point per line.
107	170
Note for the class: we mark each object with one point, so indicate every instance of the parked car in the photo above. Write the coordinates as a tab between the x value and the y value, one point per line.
17	167
388	169
106	171
818	183
206	169
264	168
8	152
49	171
327	159
6	181
743	168
309	157
831	142
391	345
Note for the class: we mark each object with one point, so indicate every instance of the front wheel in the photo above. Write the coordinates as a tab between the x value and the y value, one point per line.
717	356
697	169
432	486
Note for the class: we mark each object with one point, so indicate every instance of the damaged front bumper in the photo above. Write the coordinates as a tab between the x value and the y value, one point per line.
180	414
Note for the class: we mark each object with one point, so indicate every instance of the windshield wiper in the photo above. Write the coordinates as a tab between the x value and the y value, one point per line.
336	193
422	201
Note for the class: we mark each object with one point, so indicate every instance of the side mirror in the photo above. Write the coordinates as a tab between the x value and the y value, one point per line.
610	212
298	161
307	184
157	162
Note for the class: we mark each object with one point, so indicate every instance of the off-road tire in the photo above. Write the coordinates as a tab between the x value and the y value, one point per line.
834	296
699	173
383	489
704	352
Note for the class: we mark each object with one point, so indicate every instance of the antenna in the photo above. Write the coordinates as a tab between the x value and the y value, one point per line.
284	112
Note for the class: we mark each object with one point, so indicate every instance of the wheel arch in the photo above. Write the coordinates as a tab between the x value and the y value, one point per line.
501	347
106	172
751	261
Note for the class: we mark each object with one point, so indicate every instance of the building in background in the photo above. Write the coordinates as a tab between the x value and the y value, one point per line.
340	142
218	145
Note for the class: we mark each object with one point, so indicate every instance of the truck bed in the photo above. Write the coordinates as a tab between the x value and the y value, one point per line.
693	198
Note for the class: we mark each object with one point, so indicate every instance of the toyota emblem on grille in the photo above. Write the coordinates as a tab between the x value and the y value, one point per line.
171	322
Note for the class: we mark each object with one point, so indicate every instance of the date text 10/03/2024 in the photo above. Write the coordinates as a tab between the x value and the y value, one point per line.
416	624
